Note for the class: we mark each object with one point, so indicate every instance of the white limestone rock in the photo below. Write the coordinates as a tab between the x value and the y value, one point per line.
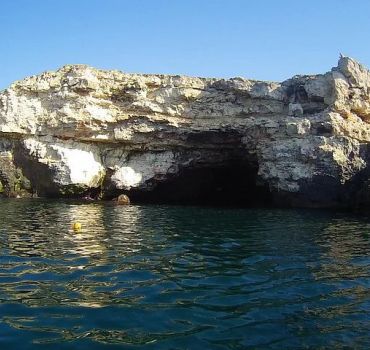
86	127
72	163
140	168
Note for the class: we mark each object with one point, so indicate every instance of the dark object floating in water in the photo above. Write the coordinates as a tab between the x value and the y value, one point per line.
122	199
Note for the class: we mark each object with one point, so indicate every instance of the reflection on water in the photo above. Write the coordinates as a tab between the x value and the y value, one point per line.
45	229
162	277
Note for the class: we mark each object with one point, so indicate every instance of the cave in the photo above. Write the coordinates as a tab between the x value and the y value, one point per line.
233	184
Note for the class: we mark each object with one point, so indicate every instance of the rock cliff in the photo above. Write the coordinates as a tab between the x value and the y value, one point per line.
82	132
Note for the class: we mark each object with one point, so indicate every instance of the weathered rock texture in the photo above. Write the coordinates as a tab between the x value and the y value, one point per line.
81	132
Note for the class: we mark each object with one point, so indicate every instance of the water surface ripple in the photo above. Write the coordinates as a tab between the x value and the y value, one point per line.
162	277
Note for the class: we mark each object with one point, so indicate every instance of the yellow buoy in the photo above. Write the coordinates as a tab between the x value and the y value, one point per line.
76	226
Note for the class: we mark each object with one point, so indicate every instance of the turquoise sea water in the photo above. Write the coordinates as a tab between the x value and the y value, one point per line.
174	277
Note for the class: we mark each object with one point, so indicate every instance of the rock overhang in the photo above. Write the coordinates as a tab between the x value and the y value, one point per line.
119	132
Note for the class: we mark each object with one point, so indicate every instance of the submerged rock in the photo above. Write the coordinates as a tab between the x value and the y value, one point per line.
81	131
123	199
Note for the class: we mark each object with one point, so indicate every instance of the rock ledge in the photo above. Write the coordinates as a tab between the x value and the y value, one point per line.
81	132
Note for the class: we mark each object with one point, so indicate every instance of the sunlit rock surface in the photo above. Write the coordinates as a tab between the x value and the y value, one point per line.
82	132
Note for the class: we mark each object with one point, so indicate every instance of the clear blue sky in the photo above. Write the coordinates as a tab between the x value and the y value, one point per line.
262	39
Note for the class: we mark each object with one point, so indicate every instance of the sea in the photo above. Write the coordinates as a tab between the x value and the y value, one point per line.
181	277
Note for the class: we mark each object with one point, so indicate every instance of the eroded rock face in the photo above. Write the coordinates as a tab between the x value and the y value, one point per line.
81	131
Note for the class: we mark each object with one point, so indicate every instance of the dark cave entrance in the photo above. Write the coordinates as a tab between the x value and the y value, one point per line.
234	184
